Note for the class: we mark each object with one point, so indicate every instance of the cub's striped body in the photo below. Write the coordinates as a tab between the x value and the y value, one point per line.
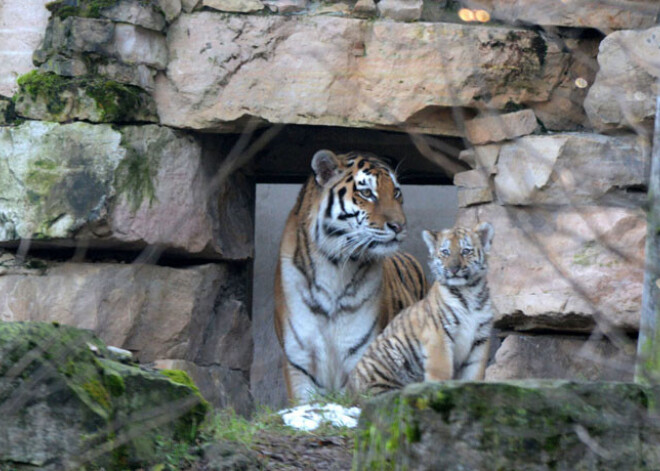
444	336
339	279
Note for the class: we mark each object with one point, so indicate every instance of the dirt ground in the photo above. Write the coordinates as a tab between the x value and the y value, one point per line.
277	452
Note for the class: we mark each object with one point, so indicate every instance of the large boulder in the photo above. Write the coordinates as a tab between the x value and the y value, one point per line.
66	403
562	357
624	93
119	187
570	168
346	72
533	426
200	311
84	46
605	16
564	268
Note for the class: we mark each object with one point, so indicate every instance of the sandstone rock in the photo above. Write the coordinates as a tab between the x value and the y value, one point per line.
7	114
66	405
19	39
500	127
222	387
126	187
481	156
478	178
287	6
238	6
401	10
346	72
606	16
189	5
200	311
569	168
624	93
50	97
364	9
471	196
136	12
171	9
532	426
98	37
564	111
564	268
78	65
576	358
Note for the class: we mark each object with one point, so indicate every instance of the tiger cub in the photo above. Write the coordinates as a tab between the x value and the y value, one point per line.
447	334
340	278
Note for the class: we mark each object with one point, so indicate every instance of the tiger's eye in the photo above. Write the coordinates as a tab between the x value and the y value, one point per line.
466	251
366	193
445	252
397	194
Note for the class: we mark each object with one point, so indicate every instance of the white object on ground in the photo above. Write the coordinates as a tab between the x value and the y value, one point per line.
309	416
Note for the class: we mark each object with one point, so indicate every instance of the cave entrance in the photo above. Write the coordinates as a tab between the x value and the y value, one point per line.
283	165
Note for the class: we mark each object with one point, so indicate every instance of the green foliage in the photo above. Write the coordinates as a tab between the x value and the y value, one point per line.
175	455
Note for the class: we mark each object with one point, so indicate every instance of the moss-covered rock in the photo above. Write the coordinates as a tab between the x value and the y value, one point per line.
7	114
145	13
50	97
66	404
516	425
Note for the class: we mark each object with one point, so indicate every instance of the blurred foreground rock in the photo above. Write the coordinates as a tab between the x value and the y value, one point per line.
533	426
65	404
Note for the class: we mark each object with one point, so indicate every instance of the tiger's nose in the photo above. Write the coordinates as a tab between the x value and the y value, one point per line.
395	227
454	270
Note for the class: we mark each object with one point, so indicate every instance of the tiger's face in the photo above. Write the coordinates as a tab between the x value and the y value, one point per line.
360	211
458	256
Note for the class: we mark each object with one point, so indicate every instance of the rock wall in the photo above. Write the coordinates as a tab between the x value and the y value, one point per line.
114	150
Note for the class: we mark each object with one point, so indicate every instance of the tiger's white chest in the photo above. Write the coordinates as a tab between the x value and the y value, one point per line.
466	330
332	317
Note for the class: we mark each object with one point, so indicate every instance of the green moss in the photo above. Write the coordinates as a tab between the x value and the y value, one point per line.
134	179
83	8
180	377
115	102
98	392
49	85
114	383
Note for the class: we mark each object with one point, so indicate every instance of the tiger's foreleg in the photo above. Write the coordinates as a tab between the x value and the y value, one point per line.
474	368
439	359
301	388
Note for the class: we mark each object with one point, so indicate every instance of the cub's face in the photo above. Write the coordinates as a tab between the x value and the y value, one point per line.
360	210
458	256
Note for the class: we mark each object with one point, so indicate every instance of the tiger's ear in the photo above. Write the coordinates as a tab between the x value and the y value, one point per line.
325	165
485	232
429	238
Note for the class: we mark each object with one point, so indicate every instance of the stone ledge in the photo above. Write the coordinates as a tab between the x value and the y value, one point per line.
513	425
122	188
345	72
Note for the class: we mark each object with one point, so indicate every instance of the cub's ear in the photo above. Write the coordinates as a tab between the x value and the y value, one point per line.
429	238
485	232
325	165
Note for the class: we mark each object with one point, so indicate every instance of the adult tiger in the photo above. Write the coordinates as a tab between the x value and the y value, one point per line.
339	277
